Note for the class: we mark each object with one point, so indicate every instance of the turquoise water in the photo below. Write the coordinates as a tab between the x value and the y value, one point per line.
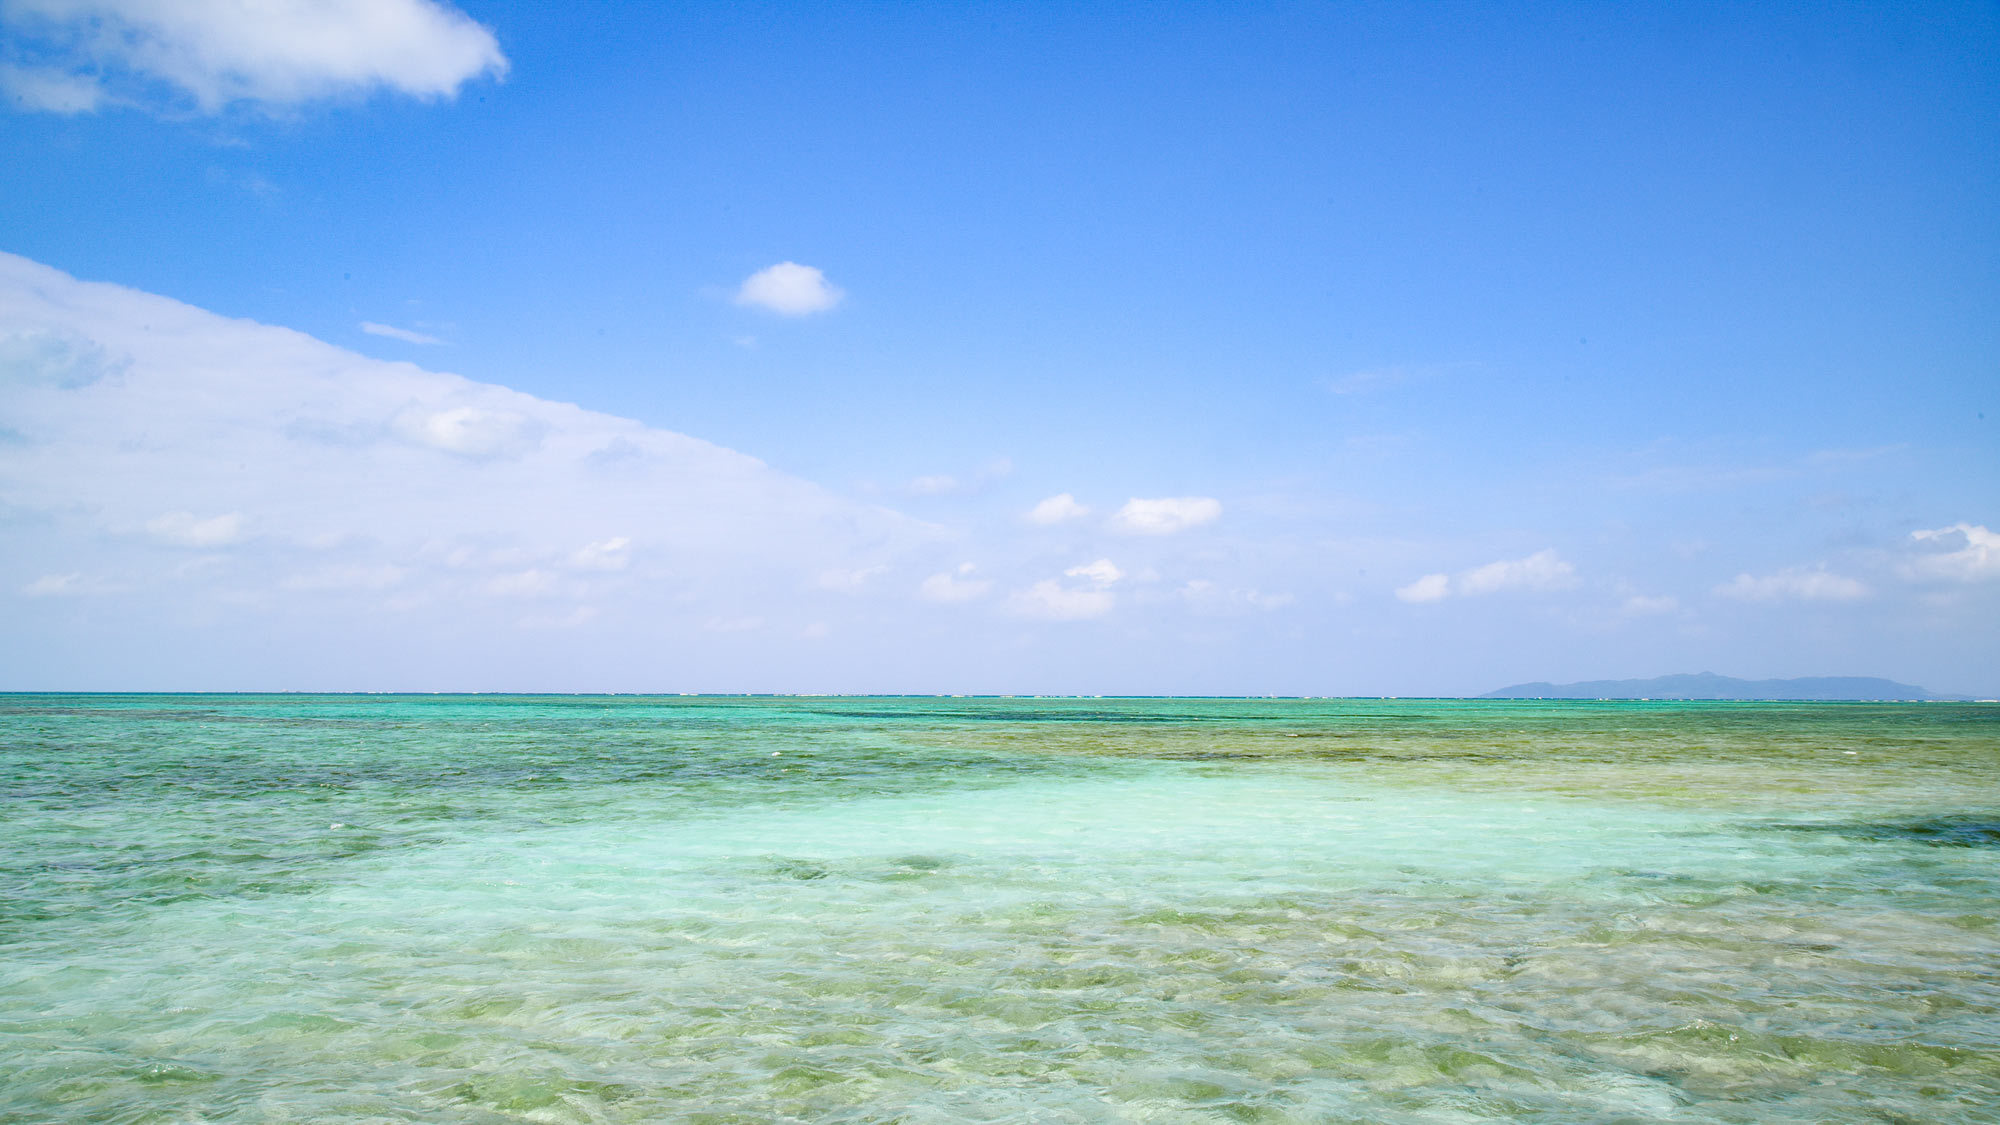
485	909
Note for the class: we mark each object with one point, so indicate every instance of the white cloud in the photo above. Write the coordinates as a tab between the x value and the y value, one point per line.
934	485
608	554
1429	588
1166	515
953	586
1052	601
1793	584
200	431
1963	552
1059	508
789	289
216	52
1103	572
184	529
1544	570
395	333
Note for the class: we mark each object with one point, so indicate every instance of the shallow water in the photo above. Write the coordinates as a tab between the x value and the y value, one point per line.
484	909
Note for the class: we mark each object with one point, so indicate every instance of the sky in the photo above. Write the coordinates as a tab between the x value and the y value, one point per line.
1302	349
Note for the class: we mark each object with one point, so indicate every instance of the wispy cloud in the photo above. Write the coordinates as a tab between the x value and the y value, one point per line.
185	529
1840	458
733	624
379	576
1699	477
69	586
395	333
614	553
954	585
1429	588
576	617
1088	595
1060	508
1816	584
1361	382
848	580
49	90
946	484
1166	515
789	289
1050	600
1206	596
1373	379
1103	572
530	583
212	53
1542	571
1648	605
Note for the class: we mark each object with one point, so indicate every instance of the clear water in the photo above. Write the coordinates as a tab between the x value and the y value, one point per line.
337	908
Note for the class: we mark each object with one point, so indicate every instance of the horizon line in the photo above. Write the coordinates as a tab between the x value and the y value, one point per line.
18	692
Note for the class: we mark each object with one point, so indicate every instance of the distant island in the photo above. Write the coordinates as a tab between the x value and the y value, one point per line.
1708	685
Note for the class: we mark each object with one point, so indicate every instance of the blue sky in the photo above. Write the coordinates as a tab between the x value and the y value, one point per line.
1379	349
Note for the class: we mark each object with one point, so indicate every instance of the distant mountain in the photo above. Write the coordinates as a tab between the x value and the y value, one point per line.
1708	685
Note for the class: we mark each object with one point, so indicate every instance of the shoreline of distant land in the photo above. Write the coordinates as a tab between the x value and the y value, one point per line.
1708	685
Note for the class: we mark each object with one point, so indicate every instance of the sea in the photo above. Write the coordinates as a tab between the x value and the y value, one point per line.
356	908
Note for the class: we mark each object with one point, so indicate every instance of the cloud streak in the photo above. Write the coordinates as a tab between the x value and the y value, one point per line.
69	585
394	333
1816	584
